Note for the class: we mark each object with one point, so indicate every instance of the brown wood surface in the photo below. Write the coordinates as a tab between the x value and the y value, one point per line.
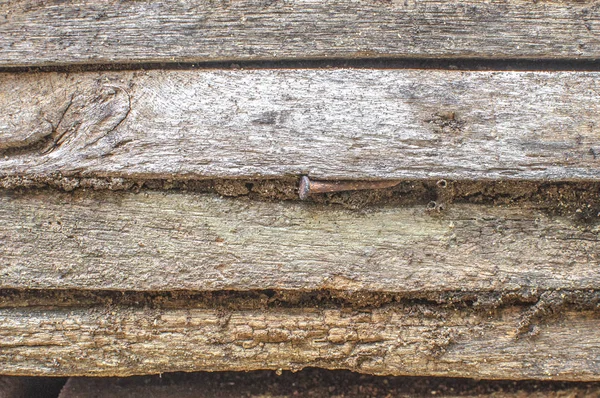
173	240
89	31
407	338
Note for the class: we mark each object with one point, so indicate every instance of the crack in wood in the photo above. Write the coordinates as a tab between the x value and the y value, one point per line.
88	117
56	140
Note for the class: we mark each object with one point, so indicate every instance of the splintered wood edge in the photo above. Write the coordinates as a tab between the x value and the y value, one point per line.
191	31
327	124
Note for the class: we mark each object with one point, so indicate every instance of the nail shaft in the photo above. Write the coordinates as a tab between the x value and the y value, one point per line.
308	187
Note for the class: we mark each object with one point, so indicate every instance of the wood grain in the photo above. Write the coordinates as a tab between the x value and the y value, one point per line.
401	339
89	31
186	241
353	124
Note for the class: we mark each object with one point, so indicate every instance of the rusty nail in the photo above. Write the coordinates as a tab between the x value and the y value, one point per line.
308	187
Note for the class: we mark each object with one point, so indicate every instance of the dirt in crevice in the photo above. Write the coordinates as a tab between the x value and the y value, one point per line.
360	60
579	201
541	302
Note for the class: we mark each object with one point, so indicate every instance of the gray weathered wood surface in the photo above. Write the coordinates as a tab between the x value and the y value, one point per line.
417	339
89	31
278	123
355	124
173	241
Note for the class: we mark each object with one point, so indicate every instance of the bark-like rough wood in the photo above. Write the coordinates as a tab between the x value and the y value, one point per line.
89	31
169	241
314	383
418	339
355	124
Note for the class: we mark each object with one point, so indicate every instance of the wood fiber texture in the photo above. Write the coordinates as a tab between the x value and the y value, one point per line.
109	32
410	339
187	241
279	124
352	124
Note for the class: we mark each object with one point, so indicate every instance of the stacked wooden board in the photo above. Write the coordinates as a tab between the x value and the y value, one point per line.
150	155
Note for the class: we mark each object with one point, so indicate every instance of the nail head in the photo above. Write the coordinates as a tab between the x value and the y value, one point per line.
304	188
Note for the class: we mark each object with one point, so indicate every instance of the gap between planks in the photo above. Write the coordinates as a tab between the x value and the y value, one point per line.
316	383
453	64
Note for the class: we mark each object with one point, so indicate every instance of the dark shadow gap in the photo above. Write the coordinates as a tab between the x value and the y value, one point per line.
312	382
579	200
31	387
459	64
266	299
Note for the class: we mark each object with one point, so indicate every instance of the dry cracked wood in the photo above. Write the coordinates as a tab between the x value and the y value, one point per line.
89	31
398	339
171	241
353	124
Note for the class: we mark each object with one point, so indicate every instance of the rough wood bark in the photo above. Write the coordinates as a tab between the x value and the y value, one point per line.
315	383
399	339
170	241
144	31
355	124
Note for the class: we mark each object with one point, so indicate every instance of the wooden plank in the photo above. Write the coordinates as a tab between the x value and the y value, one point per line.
170	241
353	124
89	31
314	383
396	339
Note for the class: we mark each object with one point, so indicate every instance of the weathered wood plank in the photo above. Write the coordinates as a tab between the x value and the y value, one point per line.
314	383
354	124
171	241
400	339
143	31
